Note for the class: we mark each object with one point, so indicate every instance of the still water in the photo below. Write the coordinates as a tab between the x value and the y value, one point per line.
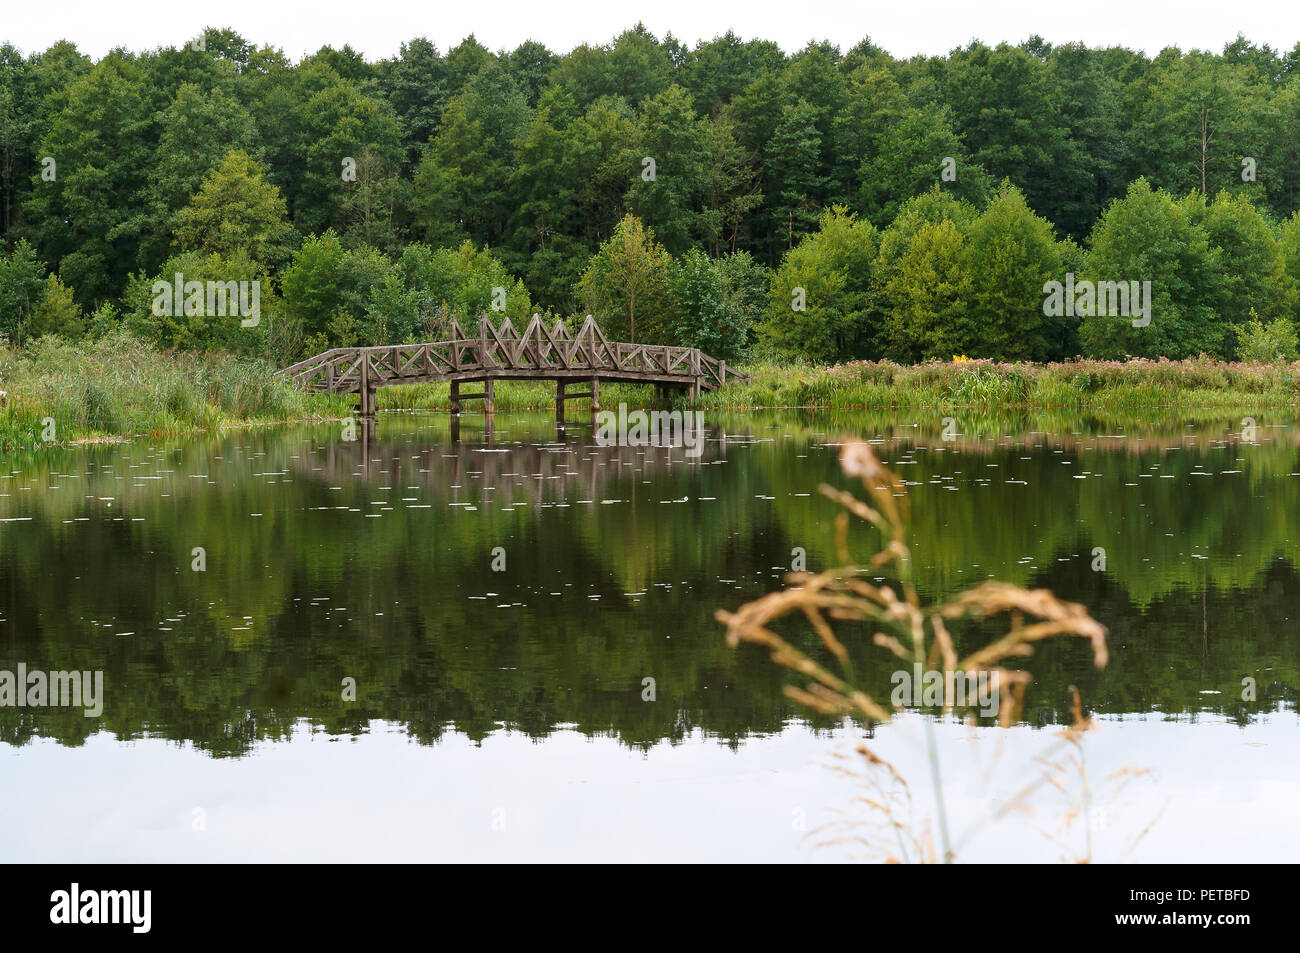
499	644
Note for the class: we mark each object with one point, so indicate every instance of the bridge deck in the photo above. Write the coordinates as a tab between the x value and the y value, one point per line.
504	354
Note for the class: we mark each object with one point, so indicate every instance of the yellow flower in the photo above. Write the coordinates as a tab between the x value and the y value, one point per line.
959	358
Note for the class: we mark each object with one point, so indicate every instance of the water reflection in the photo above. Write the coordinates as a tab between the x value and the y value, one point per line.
372	560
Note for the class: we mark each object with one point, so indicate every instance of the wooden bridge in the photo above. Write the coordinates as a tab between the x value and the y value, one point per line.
502	353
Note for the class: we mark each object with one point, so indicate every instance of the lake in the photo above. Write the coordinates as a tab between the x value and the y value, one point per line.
449	642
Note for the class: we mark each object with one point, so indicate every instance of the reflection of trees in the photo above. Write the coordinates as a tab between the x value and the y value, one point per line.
385	600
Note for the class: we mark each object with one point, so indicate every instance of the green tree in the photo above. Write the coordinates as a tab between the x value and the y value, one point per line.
202	322
704	312
415	83
634	67
18	103
22	286
669	133
1010	255
627	285
87	218
236	209
1148	237
1191	121
56	312
913	155
462	187
1252	280
312	286
732	197
197	130
372	206
1007	109
718	70
927	290
923	278
463	282
819	306
795	186
1274	343
345	126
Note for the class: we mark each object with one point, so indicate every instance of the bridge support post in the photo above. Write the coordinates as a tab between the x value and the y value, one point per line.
559	401
489	398
455	397
595	395
366	392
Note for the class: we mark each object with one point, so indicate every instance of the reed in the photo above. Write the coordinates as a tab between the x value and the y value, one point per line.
841	602
117	386
1081	386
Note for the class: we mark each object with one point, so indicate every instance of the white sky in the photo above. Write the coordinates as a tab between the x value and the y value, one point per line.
377	27
1217	793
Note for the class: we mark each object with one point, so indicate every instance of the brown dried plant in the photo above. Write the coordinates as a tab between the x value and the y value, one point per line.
913	632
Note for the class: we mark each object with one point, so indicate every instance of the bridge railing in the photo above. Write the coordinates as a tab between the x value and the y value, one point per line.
536	352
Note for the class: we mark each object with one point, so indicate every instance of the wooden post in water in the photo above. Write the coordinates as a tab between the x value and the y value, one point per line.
559	401
455	397
367	392
595	395
489	399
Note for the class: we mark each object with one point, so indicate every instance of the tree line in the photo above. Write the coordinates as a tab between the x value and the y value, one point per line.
823	204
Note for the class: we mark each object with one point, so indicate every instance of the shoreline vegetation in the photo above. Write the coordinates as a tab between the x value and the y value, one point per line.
116	386
101	390
1082	385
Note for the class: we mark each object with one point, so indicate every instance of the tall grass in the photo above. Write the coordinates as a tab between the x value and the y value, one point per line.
1073	385
118	386
511	396
844	604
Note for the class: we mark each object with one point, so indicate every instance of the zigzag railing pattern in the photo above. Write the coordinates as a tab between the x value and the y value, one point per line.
502	353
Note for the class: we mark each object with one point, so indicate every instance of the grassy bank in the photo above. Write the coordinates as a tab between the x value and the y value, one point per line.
117	387
509	396
1083	386
1076	385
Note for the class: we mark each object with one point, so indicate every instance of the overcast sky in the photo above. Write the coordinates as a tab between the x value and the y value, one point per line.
377	27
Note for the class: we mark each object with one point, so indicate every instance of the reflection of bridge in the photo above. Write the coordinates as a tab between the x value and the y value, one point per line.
542	466
504	354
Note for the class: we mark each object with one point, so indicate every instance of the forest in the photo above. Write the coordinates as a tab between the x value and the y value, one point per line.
824	205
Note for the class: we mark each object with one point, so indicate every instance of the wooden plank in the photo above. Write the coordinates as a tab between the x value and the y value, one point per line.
539	353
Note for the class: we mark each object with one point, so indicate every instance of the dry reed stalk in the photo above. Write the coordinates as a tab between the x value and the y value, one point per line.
911	632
